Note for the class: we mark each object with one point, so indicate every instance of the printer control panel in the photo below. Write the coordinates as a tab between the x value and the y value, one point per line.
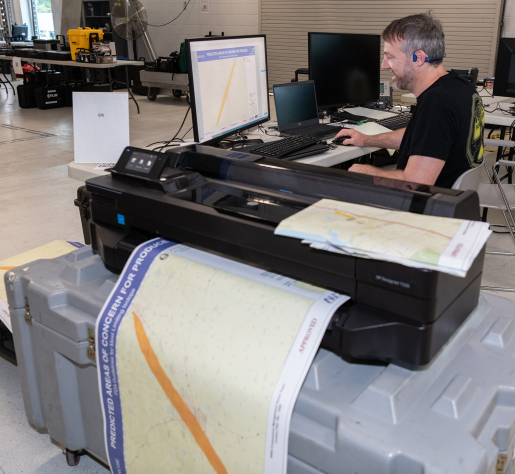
141	162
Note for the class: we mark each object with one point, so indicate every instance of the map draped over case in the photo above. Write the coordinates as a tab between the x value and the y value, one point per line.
201	359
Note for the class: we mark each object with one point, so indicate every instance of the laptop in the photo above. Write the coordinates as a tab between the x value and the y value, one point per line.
297	111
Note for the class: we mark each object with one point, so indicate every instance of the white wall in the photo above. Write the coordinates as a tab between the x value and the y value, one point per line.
233	17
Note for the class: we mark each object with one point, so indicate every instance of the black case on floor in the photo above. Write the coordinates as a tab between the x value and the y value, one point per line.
29	78
51	97
72	87
27	96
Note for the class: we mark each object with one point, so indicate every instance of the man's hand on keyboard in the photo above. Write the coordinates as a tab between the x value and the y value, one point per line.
356	138
382	140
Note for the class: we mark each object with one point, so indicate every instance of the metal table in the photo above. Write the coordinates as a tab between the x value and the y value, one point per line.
125	64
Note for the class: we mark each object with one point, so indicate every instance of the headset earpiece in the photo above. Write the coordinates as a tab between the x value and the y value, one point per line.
428	59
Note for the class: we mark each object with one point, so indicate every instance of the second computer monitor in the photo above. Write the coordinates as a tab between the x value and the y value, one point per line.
345	68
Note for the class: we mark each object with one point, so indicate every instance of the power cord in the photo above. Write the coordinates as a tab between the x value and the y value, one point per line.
167	143
498	107
182	138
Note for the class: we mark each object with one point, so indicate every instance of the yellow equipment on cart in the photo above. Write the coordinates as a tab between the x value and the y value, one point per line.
83	38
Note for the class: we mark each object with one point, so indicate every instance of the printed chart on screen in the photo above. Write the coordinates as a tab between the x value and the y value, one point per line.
230	84
228	88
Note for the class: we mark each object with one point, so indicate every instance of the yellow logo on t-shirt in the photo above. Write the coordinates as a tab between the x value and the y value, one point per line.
477	127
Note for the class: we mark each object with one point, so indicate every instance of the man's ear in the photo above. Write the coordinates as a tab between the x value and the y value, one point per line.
419	57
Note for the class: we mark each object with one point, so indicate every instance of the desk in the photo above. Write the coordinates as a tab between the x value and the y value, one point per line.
499	118
83	171
56	62
504	121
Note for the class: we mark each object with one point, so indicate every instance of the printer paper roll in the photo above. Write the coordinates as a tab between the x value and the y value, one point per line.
200	361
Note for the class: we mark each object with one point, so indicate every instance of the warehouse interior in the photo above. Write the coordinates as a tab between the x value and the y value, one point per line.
37	146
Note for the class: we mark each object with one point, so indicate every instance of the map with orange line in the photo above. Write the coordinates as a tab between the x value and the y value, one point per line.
194	348
416	240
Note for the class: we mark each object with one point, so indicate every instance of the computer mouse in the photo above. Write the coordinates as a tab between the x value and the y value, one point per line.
339	141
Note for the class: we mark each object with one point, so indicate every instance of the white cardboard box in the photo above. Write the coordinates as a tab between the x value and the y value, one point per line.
100	126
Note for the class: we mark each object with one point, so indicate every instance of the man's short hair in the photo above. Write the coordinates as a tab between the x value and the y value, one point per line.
416	32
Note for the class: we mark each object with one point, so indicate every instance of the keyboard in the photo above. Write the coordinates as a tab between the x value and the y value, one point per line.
318	130
284	147
397	122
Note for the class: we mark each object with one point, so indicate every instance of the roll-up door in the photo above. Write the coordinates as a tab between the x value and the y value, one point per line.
471	29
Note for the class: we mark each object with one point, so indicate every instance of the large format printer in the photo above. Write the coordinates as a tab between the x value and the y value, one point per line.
456	414
229	203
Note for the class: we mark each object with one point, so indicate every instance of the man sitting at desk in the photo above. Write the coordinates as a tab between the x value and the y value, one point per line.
444	137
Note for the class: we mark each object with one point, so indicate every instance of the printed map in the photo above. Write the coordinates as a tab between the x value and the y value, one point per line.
403	234
221	341
421	241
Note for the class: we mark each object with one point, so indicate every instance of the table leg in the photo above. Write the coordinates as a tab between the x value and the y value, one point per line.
500	148
110	80
10	83
129	87
510	157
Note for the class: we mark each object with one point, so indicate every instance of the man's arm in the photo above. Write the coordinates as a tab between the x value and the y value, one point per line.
382	140
420	169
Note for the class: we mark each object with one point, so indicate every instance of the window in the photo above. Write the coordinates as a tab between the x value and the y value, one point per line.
44	21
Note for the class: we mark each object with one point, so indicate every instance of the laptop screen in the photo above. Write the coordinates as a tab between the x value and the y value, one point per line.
295	102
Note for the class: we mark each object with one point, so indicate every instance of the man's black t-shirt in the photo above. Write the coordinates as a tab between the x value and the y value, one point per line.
447	124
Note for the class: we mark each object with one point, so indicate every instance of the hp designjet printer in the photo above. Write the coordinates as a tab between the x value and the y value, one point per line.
229	203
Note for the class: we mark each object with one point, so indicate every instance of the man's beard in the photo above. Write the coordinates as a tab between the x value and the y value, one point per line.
404	81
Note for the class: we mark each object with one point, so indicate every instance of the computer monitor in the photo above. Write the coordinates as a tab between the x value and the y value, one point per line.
504	83
228	83
345	68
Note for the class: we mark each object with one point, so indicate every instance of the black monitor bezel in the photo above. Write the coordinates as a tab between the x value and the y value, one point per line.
502	68
313	121
192	89
356	102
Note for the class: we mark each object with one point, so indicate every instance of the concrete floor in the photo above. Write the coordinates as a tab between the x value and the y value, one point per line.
36	207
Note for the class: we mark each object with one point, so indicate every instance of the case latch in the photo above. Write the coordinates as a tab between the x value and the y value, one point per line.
502	461
28	317
91	346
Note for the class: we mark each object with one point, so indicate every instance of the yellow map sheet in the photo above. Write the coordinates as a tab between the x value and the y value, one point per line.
417	240
198	355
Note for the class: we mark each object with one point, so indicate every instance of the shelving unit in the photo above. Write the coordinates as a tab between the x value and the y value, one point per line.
96	14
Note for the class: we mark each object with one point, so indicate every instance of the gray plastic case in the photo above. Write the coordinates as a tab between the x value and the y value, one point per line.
457	416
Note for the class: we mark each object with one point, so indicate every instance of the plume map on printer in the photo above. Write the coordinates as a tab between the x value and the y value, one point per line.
433	242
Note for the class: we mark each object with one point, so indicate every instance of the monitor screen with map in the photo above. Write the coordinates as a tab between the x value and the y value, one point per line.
228	85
